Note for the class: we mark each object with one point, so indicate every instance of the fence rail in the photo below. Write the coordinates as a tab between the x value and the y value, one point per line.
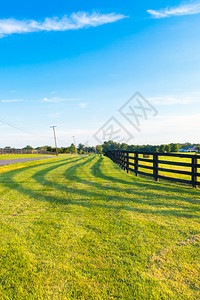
177	167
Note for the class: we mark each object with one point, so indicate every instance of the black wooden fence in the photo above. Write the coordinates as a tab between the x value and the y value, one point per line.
157	166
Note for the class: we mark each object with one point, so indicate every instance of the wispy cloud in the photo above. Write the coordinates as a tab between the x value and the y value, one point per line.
73	22
58	99
12	100
172	100
184	9
83	104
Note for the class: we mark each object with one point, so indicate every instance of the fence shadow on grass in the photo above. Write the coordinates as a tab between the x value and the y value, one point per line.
135	186
150	183
96	172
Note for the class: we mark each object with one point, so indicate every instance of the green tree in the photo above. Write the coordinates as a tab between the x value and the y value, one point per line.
99	149
123	146
72	149
162	148
174	148
28	147
80	147
49	148
167	148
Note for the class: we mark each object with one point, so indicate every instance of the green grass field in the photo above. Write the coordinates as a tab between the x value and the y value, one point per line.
81	228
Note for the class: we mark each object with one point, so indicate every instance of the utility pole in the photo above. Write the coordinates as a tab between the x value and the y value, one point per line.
54	134
75	143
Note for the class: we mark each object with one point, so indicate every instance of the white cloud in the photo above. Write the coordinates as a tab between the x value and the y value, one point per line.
12	100
73	22
58	99
184	9
83	104
172	100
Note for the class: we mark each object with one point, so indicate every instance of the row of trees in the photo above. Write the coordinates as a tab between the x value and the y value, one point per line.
81	149
111	146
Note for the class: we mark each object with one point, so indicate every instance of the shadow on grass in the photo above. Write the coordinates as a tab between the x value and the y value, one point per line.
96	172
134	185
150	183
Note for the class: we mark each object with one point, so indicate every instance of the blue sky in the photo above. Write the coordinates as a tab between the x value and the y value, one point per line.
74	64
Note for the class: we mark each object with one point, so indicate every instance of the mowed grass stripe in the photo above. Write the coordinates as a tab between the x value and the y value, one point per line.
81	228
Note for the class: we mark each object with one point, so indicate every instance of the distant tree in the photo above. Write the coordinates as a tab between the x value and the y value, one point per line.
72	149
28	147
174	148
99	149
49	148
167	148
44	148
123	146
80	147
162	148
110	146
89	149
198	148
131	147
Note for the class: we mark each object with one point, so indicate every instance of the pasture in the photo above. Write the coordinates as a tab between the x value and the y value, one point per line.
82	228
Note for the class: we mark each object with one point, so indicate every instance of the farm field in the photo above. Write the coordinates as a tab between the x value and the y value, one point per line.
82	228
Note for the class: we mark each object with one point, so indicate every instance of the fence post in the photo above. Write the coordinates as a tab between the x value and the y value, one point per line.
124	161
127	162
194	171
136	164
121	160
155	166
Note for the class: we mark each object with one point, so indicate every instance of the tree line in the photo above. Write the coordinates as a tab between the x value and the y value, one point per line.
172	147
111	146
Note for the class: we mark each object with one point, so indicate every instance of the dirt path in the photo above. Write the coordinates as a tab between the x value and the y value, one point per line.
19	160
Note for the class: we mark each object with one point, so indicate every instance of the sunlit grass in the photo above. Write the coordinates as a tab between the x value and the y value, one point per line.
81	228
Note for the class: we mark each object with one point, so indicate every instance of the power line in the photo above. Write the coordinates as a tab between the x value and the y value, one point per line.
18	128
26	131
22	129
